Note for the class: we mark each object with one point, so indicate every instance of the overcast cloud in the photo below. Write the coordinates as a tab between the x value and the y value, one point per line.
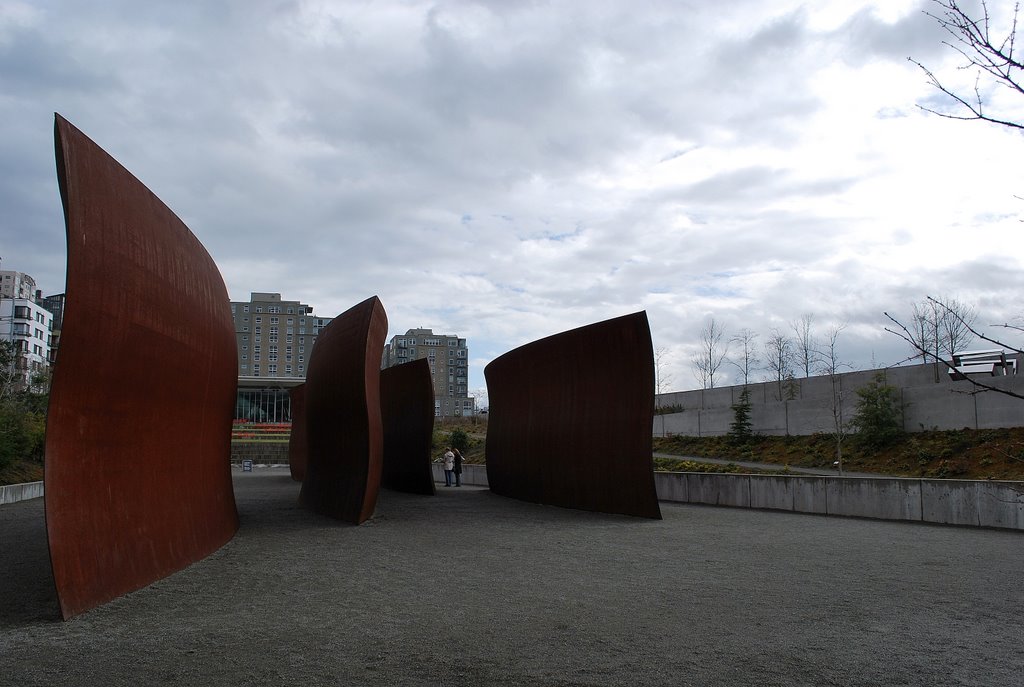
506	171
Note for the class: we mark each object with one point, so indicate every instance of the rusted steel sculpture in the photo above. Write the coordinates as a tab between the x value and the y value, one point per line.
570	417
297	448
343	421
137	477
407	411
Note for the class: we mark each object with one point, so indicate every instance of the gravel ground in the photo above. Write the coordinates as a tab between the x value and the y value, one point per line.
468	588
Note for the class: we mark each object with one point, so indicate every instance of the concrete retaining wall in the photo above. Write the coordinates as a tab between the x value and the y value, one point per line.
12	493
259	452
475	475
949	502
804	406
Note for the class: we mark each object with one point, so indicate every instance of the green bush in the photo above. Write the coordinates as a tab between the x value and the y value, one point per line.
740	431
878	420
458	439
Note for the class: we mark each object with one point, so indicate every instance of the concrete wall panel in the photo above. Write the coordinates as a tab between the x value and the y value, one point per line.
718	490
809	495
771	492
950	502
944	405
12	493
887	499
1001	504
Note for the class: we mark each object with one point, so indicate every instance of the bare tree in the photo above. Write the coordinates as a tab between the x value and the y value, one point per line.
805	345
831	366
941	327
905	334
778	358
746	359
661	378
988	53
955	328
708	360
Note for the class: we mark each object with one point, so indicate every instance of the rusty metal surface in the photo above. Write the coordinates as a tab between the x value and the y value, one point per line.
137	477
570	419
343	421
407	412
297	447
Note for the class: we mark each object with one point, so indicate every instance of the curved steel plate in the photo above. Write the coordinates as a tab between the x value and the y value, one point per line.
570	419
407	411
138	442
343	420
297	448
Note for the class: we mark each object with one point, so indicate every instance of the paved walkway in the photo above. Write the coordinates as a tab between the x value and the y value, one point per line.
770	466
468	588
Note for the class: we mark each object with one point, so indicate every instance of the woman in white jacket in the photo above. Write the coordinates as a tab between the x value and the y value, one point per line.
449	465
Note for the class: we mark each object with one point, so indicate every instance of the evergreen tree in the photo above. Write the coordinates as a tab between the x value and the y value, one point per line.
740	431
879	417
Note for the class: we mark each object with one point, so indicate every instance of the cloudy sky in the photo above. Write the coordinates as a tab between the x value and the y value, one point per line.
508	170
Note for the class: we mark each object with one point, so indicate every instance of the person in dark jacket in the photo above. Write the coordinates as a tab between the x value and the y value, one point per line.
457	467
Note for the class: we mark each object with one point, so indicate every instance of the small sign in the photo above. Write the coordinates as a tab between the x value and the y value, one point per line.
246	466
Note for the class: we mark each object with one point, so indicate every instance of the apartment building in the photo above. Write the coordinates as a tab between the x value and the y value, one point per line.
16	285
26	324
448	357
275	338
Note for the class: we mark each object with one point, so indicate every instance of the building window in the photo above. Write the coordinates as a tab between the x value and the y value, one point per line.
245	329
245	348
245	308
274	320
290	310
244	357
258	331
259	320
287	369
259	308
302	368
272	370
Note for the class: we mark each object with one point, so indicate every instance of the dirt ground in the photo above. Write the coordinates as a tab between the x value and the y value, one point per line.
468	588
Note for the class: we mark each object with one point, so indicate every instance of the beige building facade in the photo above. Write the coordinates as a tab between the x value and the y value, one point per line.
448	357
274	338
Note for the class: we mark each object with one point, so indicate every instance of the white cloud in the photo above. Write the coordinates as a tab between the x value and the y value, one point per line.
506	171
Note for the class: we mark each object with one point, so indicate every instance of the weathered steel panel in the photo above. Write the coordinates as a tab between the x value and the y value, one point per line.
407	411
138	442
343	420
298	449
570	419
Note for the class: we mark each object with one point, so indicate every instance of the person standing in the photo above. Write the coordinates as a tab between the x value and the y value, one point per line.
457	467
449	464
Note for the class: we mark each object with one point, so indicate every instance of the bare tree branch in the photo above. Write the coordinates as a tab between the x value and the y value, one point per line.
905	334
992	57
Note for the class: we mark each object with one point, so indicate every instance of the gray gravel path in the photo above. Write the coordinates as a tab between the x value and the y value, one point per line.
468	588
826	472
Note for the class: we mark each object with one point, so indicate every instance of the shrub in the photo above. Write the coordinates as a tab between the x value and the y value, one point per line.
458	439
740	431
878	420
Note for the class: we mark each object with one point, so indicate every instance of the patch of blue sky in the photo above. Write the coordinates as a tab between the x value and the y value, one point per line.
711	291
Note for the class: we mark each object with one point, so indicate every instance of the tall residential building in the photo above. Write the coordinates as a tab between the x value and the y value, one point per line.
16	285
26	324
55	304
274	338
449	367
